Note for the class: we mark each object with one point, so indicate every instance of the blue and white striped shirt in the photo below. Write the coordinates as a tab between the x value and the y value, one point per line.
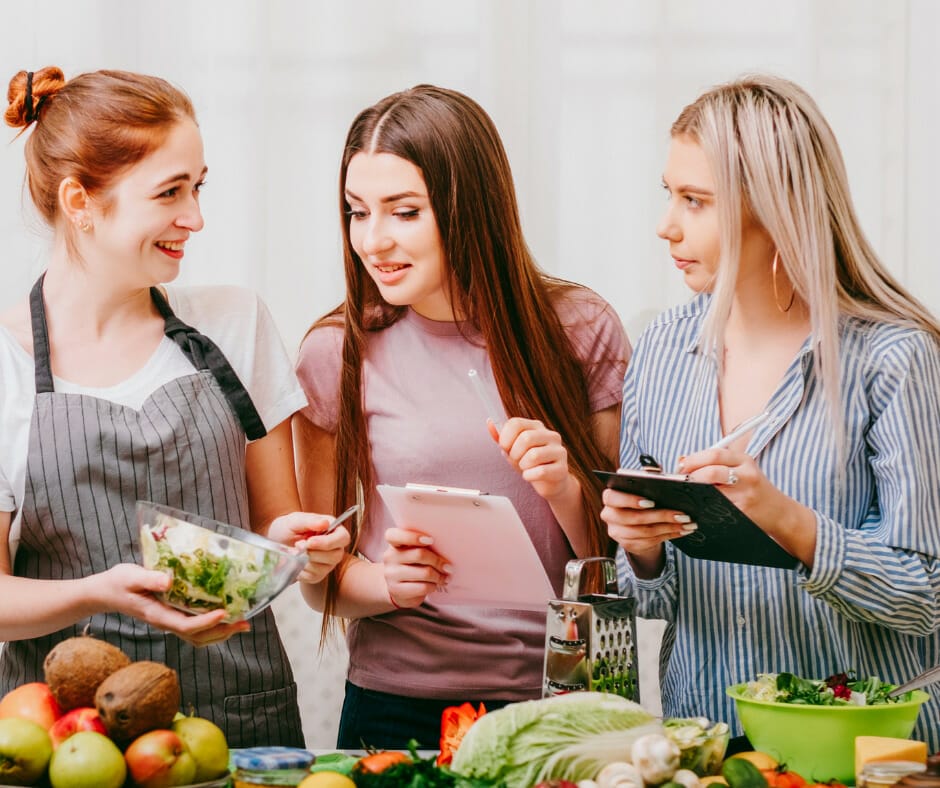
872	600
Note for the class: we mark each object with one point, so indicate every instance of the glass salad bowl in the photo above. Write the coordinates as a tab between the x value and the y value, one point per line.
214	565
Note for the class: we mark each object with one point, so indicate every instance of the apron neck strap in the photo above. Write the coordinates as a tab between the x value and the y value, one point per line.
37	313
198	348
206	355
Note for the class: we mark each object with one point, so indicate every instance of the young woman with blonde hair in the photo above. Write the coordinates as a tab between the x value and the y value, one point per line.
796	316
440	281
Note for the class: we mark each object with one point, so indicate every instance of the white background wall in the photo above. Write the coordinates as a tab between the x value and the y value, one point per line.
583	93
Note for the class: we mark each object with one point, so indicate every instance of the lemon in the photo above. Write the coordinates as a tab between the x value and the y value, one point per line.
326	780
712	780
760	759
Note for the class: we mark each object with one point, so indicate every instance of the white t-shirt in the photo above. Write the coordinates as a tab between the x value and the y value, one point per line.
236	319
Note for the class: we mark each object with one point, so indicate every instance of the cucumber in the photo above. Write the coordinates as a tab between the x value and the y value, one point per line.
741	773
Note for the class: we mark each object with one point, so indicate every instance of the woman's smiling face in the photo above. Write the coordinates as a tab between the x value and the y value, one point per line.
151	210
393	230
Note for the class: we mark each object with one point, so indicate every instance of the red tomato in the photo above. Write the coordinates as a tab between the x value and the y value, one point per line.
781	778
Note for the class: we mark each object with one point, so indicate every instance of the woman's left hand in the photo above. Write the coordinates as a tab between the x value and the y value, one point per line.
304	531
537	453
742	481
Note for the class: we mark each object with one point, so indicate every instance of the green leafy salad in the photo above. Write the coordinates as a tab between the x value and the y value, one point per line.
840	689
210	571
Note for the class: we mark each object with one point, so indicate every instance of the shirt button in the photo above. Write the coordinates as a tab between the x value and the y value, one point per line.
742	621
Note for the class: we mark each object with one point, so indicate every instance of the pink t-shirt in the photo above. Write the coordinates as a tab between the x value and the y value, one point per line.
427	425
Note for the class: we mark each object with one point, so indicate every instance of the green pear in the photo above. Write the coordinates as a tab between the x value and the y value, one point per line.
87	759
206	743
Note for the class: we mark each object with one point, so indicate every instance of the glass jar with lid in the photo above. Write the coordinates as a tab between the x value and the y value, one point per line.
258	766
884	774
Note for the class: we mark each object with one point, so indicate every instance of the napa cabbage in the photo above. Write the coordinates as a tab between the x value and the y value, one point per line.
569	737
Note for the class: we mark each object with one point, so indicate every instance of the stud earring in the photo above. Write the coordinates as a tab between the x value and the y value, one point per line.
83	224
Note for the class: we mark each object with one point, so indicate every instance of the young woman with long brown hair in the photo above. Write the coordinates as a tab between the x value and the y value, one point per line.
439	281
117	388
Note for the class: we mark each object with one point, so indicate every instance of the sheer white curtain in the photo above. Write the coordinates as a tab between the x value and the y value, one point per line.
582	92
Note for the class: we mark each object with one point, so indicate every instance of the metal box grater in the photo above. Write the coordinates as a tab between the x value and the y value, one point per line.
590	639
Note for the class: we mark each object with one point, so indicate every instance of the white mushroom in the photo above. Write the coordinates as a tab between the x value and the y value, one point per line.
619	774
687	777
656	756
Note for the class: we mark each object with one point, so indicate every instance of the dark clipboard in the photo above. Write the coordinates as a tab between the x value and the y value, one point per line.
724	532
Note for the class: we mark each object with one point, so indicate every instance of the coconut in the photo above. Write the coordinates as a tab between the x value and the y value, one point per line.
138	698
75	667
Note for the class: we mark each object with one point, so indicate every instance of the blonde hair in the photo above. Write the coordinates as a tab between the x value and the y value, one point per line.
775	158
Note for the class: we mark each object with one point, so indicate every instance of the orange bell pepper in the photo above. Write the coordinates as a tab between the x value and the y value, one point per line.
455	722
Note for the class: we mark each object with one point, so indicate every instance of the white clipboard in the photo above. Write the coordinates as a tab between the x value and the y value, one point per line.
494	561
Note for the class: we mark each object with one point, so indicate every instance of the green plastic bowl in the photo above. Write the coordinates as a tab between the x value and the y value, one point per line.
818	742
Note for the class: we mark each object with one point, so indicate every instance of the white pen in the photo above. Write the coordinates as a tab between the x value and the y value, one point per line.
741	429
337	521
491	410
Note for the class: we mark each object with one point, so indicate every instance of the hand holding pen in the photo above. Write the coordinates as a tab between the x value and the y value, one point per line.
712	456
317	535
641	528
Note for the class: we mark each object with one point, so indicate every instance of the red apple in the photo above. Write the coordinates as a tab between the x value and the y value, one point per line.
158	759
81	719
31	701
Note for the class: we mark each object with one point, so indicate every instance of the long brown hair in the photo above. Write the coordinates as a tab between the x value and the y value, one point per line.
492	280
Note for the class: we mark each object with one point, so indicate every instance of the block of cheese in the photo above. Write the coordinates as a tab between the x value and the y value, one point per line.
882	748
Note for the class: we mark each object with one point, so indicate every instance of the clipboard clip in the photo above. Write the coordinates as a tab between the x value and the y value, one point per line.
443	489
650	464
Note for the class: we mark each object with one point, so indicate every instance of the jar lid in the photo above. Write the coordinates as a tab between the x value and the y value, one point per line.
893	769
269	758
928	777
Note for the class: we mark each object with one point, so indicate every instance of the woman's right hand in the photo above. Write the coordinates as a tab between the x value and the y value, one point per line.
641	529
412	569
130	589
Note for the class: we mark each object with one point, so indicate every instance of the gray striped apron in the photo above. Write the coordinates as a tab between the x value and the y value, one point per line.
89	462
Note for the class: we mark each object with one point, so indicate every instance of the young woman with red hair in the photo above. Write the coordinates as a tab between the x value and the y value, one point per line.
116	388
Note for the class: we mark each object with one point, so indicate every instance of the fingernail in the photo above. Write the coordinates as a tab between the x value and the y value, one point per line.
447	568
688	529
681	466
645	503
425	540
682	518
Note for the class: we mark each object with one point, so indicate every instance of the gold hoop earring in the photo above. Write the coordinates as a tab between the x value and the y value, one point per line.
773	270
